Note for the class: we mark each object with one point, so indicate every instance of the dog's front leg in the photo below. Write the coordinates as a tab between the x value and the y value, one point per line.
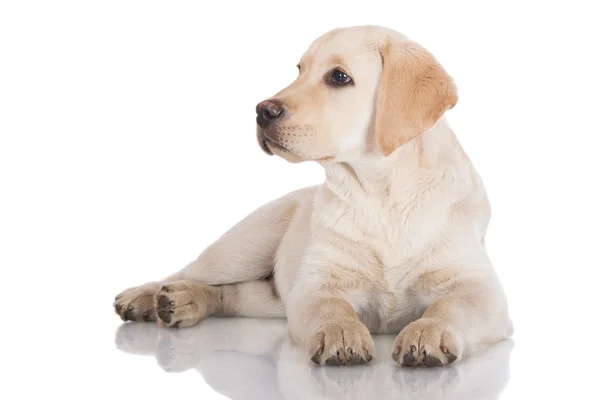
329	328
469	312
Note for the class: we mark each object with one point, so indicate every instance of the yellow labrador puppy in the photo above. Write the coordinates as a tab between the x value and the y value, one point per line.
392	241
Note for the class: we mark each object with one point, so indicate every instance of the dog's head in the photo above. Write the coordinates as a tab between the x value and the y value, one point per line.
359	90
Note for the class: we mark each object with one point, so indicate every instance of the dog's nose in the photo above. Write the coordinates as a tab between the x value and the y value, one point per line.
268	111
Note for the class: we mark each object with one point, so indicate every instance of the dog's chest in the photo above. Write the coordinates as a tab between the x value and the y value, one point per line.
398	251
394	239
392	300
390	303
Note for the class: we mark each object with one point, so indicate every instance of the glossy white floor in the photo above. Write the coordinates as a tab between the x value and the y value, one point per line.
255	359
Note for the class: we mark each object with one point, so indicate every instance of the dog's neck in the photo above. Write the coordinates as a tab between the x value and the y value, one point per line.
385	177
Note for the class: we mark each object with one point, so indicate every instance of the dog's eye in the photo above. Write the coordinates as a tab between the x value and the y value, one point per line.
340	78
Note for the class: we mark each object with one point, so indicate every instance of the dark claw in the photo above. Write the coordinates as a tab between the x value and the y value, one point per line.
333	361
409	360
130	315
431	361
164	316
356	359
163	301
451	358
316	358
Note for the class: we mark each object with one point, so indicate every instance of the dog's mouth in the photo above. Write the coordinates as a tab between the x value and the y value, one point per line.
274	146
269	145
262	141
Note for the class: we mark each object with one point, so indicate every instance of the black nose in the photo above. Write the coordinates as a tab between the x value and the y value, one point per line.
268	111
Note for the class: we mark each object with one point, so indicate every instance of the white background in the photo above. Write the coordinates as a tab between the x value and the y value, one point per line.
127	144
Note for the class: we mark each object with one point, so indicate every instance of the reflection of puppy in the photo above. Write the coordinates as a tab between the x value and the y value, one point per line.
248	359
392	242
232	355
484	376
140	339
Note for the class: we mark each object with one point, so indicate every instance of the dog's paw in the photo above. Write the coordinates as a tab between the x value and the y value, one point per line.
184	303
344	342
137	304
426	342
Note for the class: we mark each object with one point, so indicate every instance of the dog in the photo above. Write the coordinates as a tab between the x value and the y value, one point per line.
392	242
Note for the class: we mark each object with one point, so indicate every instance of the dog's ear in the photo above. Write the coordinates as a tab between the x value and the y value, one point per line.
415	91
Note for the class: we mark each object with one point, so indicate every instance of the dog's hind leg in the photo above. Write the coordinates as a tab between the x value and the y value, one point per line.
245	253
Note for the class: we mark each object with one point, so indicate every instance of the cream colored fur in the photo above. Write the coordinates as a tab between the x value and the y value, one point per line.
392	241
